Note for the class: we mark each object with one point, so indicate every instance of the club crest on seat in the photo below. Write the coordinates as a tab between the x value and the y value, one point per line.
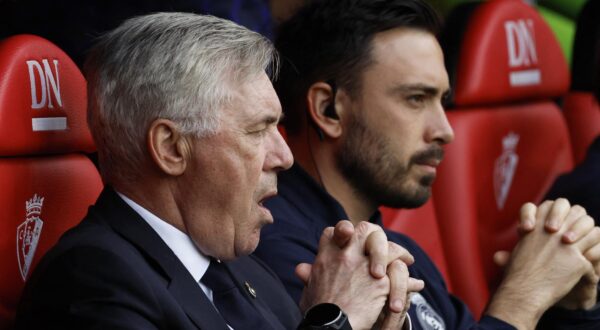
28	234
505	167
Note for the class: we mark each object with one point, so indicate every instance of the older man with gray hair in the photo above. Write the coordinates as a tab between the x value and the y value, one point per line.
185	120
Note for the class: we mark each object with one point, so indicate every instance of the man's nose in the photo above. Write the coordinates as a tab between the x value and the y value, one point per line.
280	156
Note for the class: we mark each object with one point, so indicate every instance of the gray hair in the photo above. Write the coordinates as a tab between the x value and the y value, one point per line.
177	66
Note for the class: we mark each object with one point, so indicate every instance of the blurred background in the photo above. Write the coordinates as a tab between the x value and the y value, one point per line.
73	24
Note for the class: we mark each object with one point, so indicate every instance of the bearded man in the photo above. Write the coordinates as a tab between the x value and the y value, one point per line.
362	86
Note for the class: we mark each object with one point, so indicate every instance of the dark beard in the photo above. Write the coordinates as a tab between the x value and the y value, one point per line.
367	162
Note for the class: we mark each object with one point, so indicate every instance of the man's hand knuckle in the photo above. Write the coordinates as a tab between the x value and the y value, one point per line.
589	255
399	265
562	201
596	232
393	248
578	209
383	284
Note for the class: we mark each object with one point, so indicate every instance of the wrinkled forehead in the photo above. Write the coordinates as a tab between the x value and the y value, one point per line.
251	100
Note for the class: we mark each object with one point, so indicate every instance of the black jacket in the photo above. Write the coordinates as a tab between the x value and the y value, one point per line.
112	271
303	209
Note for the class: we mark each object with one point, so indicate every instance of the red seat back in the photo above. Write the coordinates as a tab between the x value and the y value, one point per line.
47	182
582	112
511	139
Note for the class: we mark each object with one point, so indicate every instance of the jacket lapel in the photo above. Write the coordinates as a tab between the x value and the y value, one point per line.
236	271
196	304
182	285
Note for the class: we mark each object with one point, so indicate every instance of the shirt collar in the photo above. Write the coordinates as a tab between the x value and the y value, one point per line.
179	242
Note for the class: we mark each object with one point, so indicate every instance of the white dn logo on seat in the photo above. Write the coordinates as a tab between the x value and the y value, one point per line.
522	53
48	80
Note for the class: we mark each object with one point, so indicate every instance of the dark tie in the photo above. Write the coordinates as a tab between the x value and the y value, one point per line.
232	303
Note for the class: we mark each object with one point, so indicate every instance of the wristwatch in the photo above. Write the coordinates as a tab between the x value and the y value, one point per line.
325	316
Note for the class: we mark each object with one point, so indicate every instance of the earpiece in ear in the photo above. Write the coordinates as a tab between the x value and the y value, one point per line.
330	111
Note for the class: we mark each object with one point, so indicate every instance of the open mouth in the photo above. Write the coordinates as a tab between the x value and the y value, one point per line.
267	196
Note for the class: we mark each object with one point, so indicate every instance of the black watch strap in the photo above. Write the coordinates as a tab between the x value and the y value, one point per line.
325	316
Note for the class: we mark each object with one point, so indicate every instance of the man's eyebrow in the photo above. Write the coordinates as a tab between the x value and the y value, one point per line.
429	90
269	119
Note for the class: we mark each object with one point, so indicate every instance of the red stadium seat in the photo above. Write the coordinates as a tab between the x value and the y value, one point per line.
582	112
421	225
511	140
580	107
47	182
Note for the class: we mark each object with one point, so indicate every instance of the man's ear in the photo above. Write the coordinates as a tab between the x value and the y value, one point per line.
168	148
323	110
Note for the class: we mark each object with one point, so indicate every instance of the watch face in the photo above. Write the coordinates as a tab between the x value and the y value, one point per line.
323	314
326	315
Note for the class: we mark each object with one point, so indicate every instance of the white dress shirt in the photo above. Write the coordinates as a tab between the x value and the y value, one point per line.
184	248
179	242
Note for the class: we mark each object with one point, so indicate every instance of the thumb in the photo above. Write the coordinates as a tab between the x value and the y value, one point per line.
303	272
501	258
342	233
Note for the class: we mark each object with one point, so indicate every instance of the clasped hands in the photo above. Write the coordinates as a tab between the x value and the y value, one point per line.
555	263
357	269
